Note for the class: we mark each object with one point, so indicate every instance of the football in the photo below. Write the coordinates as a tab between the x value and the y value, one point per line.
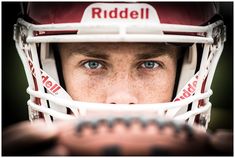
137	136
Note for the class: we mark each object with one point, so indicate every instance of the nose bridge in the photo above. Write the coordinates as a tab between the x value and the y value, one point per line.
121	89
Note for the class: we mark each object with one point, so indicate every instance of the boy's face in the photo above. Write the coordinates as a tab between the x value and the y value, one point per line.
119	73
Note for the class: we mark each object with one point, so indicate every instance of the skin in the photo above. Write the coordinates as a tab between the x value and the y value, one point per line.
119	73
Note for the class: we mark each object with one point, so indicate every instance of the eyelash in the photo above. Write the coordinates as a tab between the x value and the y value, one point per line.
102	65
157	64
85	64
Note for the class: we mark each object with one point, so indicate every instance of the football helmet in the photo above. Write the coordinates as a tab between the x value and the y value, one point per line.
197	25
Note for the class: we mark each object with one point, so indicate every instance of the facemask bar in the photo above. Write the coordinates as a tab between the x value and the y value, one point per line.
24	50
26	42
158	108
33	80
210	58
119	33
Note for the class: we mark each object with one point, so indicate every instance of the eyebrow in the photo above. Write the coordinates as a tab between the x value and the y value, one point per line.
148	55
102	55
155	51
91	53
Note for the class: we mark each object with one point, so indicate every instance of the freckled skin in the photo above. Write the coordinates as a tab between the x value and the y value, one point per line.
122	80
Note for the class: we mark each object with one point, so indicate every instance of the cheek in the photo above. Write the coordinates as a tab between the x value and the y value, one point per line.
158	88
157	91
84	88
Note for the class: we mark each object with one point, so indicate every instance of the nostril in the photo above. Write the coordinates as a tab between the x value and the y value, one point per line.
116	103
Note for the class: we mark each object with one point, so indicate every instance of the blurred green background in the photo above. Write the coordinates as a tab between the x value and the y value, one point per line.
14	97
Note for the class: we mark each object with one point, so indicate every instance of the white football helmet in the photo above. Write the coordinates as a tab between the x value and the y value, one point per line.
196	24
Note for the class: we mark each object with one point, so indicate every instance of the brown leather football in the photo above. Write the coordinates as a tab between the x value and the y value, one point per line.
137	136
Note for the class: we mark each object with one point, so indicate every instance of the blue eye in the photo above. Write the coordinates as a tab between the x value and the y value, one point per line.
149	64
92	65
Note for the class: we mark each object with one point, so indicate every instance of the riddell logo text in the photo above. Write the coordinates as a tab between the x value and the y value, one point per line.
188	91
116	13
48	83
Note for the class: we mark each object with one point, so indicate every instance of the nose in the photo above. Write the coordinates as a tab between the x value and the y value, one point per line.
122	91
121	97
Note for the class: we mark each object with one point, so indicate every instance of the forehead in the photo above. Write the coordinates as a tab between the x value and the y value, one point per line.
109	47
